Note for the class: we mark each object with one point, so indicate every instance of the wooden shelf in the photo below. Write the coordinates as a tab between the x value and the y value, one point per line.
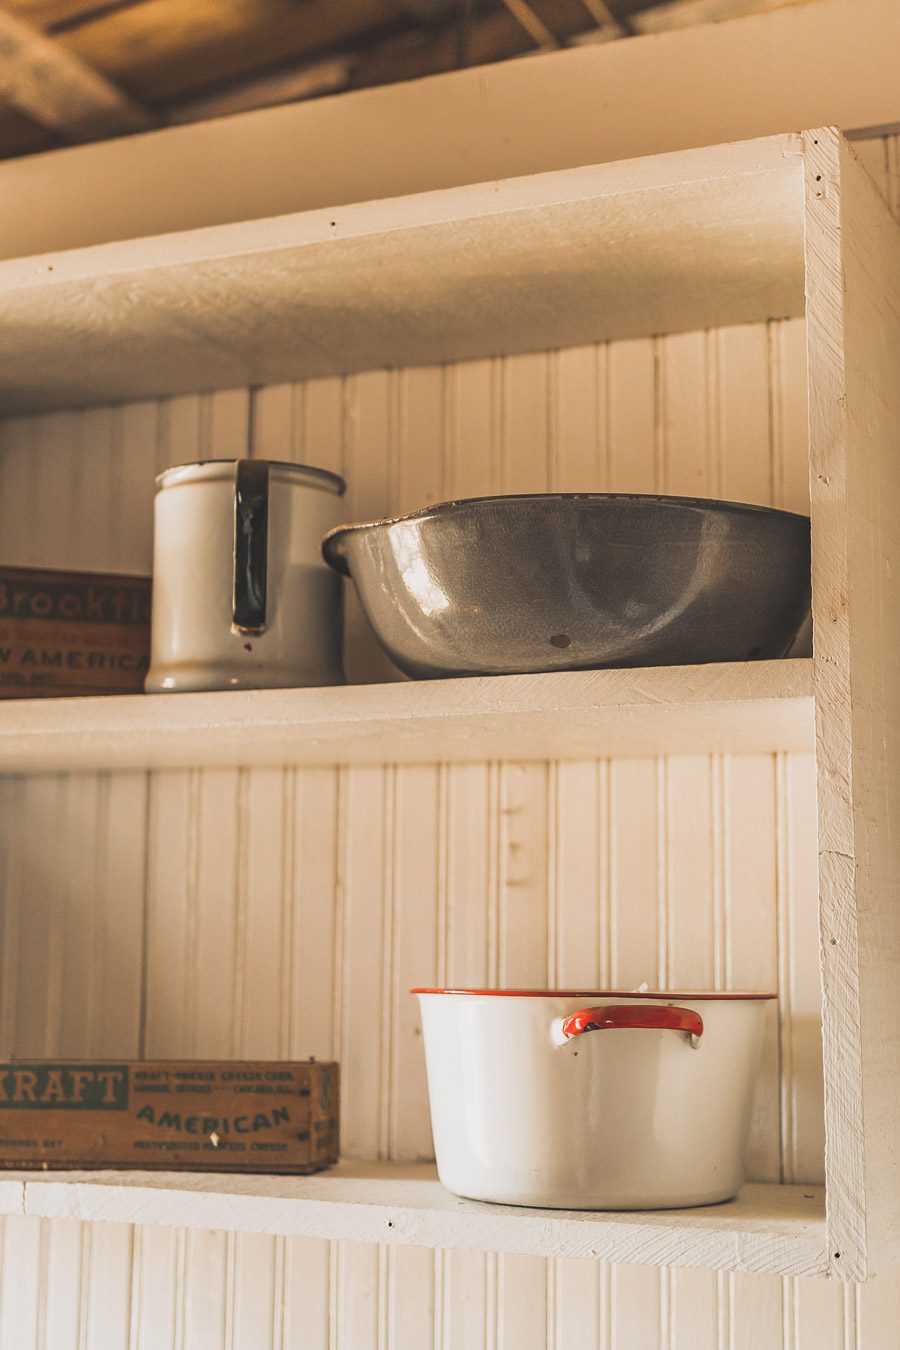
762	705
776	1229
661	244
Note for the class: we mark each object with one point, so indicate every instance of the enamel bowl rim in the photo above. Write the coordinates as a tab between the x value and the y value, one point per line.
339	563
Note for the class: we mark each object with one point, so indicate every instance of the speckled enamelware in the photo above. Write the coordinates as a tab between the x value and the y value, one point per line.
497	585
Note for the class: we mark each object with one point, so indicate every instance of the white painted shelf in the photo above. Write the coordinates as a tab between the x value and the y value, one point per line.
676	242
776	1229
662	244
760	705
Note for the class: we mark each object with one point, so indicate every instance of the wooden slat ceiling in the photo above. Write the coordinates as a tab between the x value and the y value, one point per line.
78	70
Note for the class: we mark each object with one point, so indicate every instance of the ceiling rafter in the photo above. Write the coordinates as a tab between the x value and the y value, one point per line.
604	17
58	90
65	65
533	24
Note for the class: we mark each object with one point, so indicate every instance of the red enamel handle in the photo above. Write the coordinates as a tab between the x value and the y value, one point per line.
654	1016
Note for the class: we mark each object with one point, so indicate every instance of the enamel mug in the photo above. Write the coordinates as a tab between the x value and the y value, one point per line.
591	1100
241	596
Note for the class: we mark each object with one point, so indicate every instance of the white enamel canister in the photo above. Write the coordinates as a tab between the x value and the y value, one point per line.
651	1110
241	595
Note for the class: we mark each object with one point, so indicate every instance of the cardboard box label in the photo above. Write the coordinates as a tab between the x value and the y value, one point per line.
222	1116
69	1087
72	633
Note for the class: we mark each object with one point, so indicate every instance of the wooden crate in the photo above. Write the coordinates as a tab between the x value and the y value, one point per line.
72	633
222	1116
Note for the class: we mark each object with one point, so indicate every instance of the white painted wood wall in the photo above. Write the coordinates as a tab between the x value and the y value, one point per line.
285	912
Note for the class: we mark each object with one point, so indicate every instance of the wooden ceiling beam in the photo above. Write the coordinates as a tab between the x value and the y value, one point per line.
173	50
533	24
603	16
60	92
411	56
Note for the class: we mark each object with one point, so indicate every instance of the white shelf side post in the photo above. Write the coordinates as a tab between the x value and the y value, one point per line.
853	317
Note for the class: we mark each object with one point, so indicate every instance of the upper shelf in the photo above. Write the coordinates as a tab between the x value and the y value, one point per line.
667	243
736	707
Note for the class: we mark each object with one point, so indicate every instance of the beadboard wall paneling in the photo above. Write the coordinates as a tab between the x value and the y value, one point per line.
285	912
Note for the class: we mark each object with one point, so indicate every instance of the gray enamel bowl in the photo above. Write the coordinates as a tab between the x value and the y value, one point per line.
497	585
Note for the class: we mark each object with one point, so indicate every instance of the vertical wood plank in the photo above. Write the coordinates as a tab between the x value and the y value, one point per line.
688	416
802	1104
523	875
465	946
819	1314
637	860
751	931
171	907
631	420
579	880
20	1294
306	1314
522	1302
106	1287
252	1290
410	1320
637	1310
579	419
694	1310
525	423
472	460
156	1278
879	1313
421	468
789	414
365	868
414	956
203	1314
360	1292
693	951
467	908
578	1312
743	414
314	977
369	440
61	1322
756	1313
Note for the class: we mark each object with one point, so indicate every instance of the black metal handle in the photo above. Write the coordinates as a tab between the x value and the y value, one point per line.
251	545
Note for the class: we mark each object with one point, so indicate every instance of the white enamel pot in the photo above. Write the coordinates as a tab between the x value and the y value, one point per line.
591	1100
241	595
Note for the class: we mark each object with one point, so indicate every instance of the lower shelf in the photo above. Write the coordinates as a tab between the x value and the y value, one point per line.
774	1229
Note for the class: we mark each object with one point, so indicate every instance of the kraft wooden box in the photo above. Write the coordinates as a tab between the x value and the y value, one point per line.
70	633
221	1116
